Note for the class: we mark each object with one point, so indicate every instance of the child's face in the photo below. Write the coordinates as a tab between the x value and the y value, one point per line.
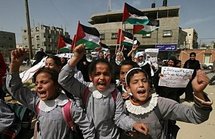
101	78
45	86
123	70
139	87
170	63
119	57
50	63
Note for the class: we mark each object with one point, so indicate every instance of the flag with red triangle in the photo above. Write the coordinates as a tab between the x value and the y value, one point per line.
73	42
146	29
133	16
61	42
89	36
125	38
64	43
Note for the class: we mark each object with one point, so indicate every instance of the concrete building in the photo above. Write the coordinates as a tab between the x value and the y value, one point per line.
168	38
43	36
7	43
191	38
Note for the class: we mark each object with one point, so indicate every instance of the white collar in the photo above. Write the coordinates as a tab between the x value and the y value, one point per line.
118	62
97	94
141	63
49	105
143	109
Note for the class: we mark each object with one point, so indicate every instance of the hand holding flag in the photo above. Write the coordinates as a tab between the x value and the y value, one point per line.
89	36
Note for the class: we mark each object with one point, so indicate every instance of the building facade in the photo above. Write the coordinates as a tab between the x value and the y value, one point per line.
7	43
43	36
191	38
168	38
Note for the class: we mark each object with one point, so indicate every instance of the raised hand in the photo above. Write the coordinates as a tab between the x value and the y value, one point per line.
79	50
78	53
200	82
17	57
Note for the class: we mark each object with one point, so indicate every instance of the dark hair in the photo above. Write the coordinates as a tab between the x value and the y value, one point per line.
174	59
129	62
133	71
56	59
52	72
92	66
178	61
192	53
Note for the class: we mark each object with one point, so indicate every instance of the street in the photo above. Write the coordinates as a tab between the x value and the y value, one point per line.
205	130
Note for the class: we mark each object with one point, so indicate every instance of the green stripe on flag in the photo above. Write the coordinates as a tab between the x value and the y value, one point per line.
137	20
88	44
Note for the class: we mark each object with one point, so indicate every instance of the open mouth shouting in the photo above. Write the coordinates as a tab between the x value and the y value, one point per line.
101	85
141	91
42	94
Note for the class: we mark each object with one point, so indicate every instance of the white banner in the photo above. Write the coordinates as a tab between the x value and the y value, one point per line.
175	77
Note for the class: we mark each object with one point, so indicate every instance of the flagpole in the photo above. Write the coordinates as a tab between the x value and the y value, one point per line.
28	30
75	36
120	41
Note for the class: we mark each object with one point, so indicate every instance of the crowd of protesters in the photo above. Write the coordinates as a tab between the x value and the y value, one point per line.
110	96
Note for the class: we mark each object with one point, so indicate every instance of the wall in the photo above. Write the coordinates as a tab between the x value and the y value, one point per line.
200	55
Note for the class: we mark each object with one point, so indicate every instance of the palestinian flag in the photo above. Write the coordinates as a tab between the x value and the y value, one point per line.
64	43
89	36
146	29
133	16
73	42
125	38
102	47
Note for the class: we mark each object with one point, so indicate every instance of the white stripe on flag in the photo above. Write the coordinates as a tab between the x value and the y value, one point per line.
138	17
128	40
92	38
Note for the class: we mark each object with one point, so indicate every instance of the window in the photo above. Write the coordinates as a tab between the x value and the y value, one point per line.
37	28
207	58
37	37
114	35
102	36
147	35
167	33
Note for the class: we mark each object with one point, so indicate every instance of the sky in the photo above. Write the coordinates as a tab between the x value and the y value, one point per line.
197	14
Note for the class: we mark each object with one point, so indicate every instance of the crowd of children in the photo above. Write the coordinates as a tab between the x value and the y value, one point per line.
103	108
